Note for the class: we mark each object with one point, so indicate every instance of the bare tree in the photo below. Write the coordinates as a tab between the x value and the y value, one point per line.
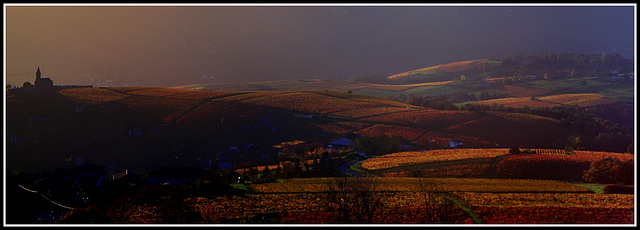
437	208
355	198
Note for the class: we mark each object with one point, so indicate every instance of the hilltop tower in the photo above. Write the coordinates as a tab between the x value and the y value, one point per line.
42	83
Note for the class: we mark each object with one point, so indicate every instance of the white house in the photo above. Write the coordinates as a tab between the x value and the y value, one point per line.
340	143
454	143
310	116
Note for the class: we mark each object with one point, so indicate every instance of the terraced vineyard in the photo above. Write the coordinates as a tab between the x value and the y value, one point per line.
551	208
548	164
479	183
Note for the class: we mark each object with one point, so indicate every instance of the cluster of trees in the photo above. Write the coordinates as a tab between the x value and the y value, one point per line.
323	165
520	65
538	64
610	170
358	200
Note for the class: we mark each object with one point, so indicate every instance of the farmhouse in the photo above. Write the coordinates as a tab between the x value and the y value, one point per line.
455	143
308	116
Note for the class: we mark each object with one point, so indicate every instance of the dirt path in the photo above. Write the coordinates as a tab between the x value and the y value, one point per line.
464	206
491	171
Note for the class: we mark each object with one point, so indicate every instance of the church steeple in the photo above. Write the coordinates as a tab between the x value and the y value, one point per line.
38	74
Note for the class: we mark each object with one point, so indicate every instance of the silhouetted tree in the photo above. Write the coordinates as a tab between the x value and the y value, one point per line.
437	209
355	198
611	59
265	171
326	163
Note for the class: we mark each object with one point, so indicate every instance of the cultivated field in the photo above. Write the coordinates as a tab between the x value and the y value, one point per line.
420	157
580	100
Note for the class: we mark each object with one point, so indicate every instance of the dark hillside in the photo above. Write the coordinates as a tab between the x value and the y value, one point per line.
146	128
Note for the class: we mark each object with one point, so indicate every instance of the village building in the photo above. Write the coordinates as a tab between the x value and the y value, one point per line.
341	143
455	143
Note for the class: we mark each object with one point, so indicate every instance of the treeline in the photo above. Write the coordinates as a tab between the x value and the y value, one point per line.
539	64
556	65
323	166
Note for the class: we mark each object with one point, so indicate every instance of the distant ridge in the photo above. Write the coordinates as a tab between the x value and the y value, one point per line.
562	64
460	66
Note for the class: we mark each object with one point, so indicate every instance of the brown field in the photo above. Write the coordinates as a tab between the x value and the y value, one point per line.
548	164
552	166
339	127
580	100
403	87
409	73
407	184
518	102
370	111
511	129
426	118
407	133
443	139
518	91
91	96
180	93
419	157
241	96
464	169
127	89
461	66
458	66
552	208
307	102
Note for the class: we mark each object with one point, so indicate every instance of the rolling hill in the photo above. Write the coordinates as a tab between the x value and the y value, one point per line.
452	70
176	125
535	75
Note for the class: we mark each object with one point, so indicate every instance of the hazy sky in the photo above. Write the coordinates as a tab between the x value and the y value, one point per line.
179	45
